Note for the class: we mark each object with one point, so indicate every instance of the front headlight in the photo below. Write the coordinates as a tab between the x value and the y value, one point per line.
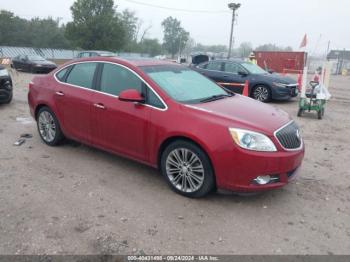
279	84
4	72
252	140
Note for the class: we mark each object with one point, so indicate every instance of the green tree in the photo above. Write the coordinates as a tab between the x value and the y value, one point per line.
13	30
175	37
150	46
96	25
44	33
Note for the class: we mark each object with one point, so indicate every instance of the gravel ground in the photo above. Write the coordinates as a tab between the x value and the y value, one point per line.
75	199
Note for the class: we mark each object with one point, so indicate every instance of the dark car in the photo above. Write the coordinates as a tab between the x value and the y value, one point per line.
5	86
33	64
94	53
263	86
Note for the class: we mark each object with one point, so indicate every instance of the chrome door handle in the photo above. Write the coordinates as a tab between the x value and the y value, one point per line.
99	106
60	93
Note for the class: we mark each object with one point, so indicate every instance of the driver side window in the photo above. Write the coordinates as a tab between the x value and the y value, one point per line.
115	79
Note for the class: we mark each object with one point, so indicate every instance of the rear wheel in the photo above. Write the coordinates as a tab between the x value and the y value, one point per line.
187	169
48	127
320	114
262	93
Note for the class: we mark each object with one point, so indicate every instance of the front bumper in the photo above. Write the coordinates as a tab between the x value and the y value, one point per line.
285	93
236	171
5	89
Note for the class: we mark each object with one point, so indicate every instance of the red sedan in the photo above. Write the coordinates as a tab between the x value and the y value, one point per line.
200	136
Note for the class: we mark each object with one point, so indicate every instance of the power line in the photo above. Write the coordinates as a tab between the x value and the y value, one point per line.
177	9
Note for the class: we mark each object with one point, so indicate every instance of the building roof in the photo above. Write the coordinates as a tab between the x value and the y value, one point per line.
339	54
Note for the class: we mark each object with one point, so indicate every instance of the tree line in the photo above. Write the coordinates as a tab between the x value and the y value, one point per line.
97	25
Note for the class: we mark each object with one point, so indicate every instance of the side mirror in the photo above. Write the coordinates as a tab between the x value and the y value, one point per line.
131	95
242	73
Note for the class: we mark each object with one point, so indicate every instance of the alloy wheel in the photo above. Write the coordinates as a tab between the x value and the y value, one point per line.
261	93
185	170
47	126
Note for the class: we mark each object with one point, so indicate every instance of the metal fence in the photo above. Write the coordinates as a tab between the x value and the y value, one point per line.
10	52
49	53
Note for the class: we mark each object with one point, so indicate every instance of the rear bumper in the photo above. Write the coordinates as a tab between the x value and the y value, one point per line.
5	89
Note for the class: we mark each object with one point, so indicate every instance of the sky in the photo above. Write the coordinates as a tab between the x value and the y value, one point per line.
282	22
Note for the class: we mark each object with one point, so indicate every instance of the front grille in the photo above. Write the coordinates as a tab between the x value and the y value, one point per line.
289	136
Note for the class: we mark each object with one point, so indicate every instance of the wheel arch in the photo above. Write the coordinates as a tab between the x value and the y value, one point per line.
37	109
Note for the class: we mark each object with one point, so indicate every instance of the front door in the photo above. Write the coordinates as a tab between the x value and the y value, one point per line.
234	81
121	127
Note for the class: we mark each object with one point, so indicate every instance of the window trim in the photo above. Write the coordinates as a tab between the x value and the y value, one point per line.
97	71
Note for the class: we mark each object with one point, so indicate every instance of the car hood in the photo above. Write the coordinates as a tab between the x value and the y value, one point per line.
276	78
244	112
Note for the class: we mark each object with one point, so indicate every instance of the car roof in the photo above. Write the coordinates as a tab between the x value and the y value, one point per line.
137	62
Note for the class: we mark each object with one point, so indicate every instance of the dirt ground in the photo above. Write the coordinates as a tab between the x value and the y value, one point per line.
75	199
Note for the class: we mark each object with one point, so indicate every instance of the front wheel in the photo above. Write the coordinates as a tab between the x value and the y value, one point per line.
262	93
187	169
48	127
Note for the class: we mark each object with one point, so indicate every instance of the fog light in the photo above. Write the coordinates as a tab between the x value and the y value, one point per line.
262	180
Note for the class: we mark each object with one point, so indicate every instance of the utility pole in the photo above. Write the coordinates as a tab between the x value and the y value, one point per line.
234	7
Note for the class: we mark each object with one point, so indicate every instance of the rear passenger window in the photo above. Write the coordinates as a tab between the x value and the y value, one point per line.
216	66
60	75
203	66
115	79
82	75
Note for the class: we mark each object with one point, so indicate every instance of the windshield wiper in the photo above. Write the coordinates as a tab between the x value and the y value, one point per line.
215	97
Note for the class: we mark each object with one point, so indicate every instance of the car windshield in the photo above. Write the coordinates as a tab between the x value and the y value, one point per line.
253	68
183	84
35	58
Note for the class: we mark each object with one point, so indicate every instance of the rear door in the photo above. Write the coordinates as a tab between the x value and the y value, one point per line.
73	98
234	80
213	70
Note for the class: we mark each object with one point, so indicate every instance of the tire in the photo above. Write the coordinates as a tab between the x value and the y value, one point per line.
9	99
320	114
48	127
262	93
300	112
187	169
